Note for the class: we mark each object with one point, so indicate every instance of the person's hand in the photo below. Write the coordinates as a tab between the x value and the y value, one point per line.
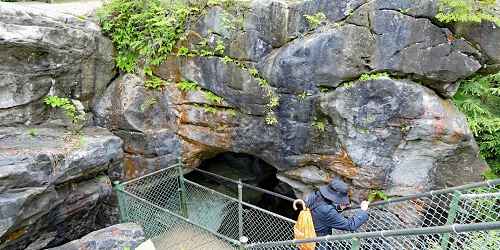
364	205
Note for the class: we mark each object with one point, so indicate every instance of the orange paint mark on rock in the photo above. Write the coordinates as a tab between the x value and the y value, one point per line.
130	168
439	128
16	234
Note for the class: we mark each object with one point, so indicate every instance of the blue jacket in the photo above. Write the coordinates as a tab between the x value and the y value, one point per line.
326	217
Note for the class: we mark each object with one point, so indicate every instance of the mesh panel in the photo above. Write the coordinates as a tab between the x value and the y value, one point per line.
180	214
480	240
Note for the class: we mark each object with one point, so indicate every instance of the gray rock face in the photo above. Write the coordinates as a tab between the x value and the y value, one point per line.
307	64
485	35
378	40
53	185
118	236
401	132
43	50
313	140
390	134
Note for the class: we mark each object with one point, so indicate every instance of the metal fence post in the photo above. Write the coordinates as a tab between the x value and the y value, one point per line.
452	214
240	211
355	244
120	195
182	191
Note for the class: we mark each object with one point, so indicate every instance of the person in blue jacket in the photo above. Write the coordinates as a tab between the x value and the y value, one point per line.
326	206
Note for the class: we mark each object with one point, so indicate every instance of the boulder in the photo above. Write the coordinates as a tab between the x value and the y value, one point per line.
44	51
402	136
120	236
54	184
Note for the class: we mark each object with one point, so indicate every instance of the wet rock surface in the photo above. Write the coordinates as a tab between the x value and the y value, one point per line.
44	51
54	185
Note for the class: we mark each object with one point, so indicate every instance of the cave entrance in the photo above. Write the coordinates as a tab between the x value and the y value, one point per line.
251	170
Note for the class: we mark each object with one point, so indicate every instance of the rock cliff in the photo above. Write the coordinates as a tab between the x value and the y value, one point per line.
363	95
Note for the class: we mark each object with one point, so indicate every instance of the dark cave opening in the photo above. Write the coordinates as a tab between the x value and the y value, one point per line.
251	170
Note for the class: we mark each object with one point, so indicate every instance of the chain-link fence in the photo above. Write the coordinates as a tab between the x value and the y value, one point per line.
180	214
465	217
473	203
187	215
478	236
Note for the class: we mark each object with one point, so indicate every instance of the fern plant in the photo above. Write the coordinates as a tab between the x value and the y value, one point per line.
67	106
479	99
465	11
144	32
186	86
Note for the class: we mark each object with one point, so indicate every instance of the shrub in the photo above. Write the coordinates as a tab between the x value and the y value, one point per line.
467	11
479	99
143	31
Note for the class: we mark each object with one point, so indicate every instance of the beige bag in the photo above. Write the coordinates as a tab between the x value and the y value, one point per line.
304	228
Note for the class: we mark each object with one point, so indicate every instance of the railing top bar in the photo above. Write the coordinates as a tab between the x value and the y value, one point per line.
456	228
153	173
182	218
245	185
489	183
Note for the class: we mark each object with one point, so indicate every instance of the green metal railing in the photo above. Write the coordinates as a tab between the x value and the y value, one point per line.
180	214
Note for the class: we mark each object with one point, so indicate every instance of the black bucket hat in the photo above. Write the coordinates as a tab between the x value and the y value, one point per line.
336	191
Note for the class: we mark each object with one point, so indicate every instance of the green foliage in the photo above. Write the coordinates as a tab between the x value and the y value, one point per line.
302	96
324	89
66	105
466	11
374	76
154	82
319	124
213	98
227	59
483	240
479	99
143	31
219	48
232	112
271	118
149	102
32	132
187	86
377	195
183	51
254	72
209	109
315	20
